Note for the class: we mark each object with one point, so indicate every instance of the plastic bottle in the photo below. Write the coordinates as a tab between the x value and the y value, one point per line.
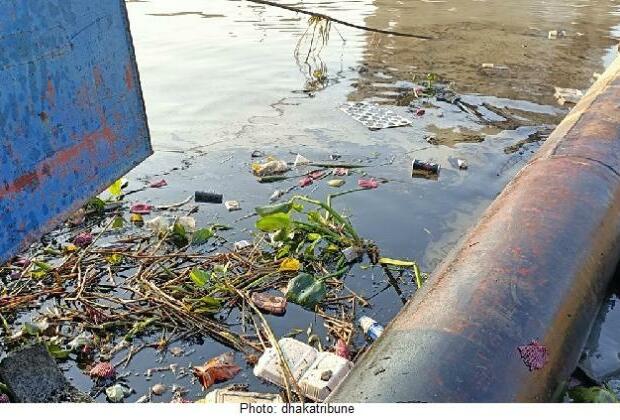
371	327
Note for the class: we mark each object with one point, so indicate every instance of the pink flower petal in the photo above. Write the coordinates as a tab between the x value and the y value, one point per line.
315	174
534	355
158	184
305	181
141	208
368	183
419	112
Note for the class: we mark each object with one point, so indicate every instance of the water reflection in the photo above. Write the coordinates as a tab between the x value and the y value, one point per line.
512	35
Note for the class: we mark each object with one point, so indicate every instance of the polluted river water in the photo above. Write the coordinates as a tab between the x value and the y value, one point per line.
223	79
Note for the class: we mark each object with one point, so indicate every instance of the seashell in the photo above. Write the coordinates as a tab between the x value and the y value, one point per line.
158	389
103	370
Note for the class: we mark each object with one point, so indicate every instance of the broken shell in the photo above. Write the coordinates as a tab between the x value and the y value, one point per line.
336	183
158	389
177	351
143	399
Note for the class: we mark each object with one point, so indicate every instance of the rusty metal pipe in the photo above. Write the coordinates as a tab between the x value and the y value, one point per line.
536	267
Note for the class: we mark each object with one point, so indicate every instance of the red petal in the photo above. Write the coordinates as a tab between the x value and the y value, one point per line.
158	184
141	208
305	181
368	183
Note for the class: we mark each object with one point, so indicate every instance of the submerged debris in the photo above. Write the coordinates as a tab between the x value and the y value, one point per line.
567	95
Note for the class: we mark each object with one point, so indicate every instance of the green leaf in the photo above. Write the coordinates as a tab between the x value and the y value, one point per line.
96	204
114	259
283	252
293	333
200	277
30	329
57	352
42	270
179	235
399	263
275	208
118	222
43	266
201	236
116	188
315	217
592	395
138	328
274	222
314	237
305	291
206	304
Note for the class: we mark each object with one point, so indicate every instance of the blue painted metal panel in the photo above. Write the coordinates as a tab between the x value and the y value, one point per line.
72	117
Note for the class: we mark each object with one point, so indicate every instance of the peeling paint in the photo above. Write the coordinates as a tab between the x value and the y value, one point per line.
72	111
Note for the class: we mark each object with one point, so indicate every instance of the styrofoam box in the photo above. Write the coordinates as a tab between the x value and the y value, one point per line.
228	396
299	357
312	384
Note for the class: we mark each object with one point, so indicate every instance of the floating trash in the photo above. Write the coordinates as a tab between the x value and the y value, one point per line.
218	369
83	239
567	95
159	389
269	303
141	208
208	197
317	373
237	397
232	205
373	116
239	245
271	167
301	161
103	370
424	169
158	184
368	184
371	327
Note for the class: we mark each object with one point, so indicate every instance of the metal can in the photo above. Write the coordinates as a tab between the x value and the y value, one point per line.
424	169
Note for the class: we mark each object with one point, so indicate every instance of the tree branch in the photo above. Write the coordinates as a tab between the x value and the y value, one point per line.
342	22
